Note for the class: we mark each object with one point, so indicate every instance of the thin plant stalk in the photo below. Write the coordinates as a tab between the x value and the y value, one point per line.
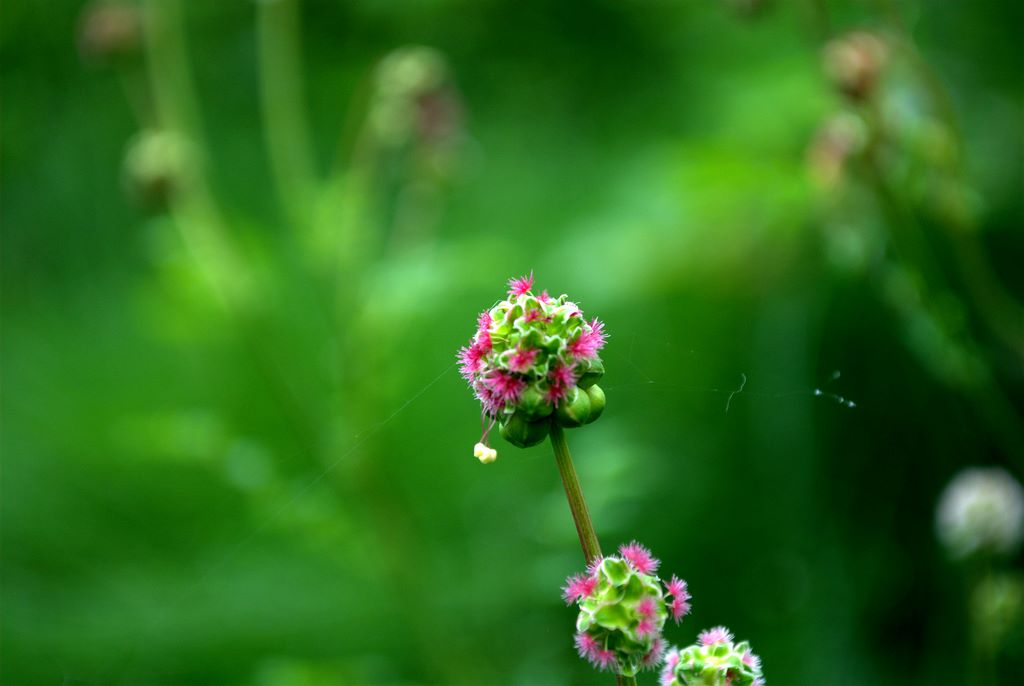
282	97
577	505
176	111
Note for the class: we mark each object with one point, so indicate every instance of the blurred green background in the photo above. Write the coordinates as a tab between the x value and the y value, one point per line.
243	241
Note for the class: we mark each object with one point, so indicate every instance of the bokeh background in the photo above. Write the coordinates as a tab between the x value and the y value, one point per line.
242	242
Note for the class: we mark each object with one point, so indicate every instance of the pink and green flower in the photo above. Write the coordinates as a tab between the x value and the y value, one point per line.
534	360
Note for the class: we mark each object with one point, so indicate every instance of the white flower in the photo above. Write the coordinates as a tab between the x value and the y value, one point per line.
981	510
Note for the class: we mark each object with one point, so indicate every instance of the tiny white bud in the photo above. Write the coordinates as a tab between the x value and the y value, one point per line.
484	454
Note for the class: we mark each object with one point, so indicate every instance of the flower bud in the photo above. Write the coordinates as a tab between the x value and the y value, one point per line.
533	404
594	370
623	607
522	433
575	411
854	62
157	166
414	99
713	661
839	140
109	31
596	396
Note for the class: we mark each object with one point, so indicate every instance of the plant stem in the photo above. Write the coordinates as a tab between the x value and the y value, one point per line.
197	216
282	97
578	506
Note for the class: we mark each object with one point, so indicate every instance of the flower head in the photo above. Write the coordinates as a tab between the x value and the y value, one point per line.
533	359
713	661
622	611
981	511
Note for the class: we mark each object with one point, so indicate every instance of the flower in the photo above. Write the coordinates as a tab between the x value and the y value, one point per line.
981	511
533	359
622	611
639	557
680	604
713	636
713	661
579	586
589	343
520	286
522	359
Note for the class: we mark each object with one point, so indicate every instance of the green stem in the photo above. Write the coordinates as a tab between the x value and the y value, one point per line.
196	213
578	506
982	659
282	97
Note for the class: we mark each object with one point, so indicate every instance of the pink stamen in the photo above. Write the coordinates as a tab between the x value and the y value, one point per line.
644	628
680	604
471	359
653	656
520	286
605	659
563	376
484	322
679	608
639	557
589	342
668	675
522	359
555	394
714	636
504	387
586	646
578	587
645	608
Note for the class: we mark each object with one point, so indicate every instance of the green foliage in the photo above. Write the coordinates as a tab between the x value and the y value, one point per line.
234	444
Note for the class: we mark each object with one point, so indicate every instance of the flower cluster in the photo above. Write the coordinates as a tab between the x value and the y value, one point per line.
623	607
713	661
534	359
981	511
414	100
